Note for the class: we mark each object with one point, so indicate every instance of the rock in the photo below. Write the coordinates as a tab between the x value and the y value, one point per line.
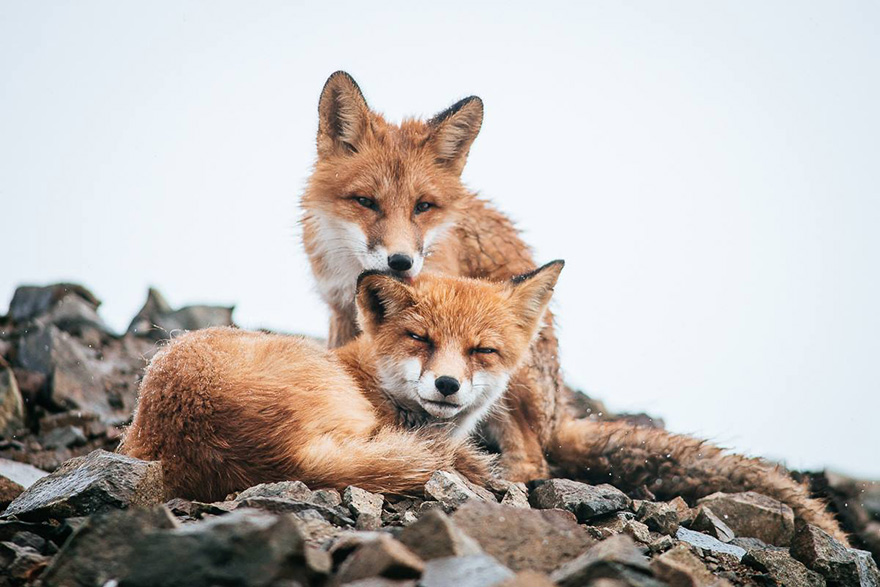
279	505
97	482
512	535
708	543
681	568
452	490
244	548
782	568
614	558
516	495
382	557
157	320
584	501
527	579
35	541
30	302
707	522
9	490
363	503
638	532
294	490
838	564
476	570
435	535
63	437
381	582
11	403
659	517
20	564
753	514
99	550
685	512
327	497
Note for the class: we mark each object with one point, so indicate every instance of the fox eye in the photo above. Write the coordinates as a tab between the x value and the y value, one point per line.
415	336
423	207
366	202
481	350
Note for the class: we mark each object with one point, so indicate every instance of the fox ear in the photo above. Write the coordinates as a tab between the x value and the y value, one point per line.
454	130
532	292
343	115
379	297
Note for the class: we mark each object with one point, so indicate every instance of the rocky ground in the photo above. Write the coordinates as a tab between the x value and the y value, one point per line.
78	514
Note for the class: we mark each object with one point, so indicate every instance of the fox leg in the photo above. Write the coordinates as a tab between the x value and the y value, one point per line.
670	464
390	461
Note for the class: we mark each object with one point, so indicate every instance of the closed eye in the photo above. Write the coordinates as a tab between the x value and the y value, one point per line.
366	202
423	339
482	350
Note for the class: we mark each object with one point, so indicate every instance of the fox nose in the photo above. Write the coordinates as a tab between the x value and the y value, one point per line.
400	262
447	385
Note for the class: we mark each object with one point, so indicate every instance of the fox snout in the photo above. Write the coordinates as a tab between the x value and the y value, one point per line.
447	385
400	262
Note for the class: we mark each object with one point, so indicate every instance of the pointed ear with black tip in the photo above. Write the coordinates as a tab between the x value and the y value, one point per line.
379	297
453	131
532	292
343	115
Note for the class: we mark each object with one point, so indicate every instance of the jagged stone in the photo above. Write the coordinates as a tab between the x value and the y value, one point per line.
707	522
709	543
516	495
327	497
157	320
9	490
681	568
782	568
476	570
838	564
685	513
97	482
527	579
753	514
363	503
452	490
31	301
295	490
280	505
584	501
20	564
11	402
659	517
509	534
99	549
435	535
381	557
614	558
63	437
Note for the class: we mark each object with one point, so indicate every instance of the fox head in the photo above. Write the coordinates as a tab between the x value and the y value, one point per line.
382	194
446	347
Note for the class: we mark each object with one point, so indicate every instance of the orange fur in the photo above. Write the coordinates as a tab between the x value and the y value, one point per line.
361	204
224	409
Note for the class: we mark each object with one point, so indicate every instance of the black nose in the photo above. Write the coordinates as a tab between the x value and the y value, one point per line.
447	385
400	262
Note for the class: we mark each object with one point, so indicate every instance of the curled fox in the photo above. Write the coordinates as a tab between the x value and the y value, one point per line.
225	409
389	197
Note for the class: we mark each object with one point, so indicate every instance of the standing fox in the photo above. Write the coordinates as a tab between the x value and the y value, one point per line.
390	197
225	409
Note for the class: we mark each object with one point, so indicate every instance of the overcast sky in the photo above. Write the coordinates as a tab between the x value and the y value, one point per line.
709	171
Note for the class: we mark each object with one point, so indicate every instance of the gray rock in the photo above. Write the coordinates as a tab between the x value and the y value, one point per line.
20	564
245	548
99	550
538	540
452	490
435	535
382	557
614	558
584	501
680	566
63	437
280	505
753	514
295	490
157	320
477	570
327	497
363	503
11	403
97	482
707	522
782	568
30	301
709	543
659	517
838	564
516	495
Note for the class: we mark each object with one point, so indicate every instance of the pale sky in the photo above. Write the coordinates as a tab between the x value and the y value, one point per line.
708	170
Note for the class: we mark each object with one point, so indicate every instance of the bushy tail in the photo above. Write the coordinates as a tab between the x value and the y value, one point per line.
670	464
